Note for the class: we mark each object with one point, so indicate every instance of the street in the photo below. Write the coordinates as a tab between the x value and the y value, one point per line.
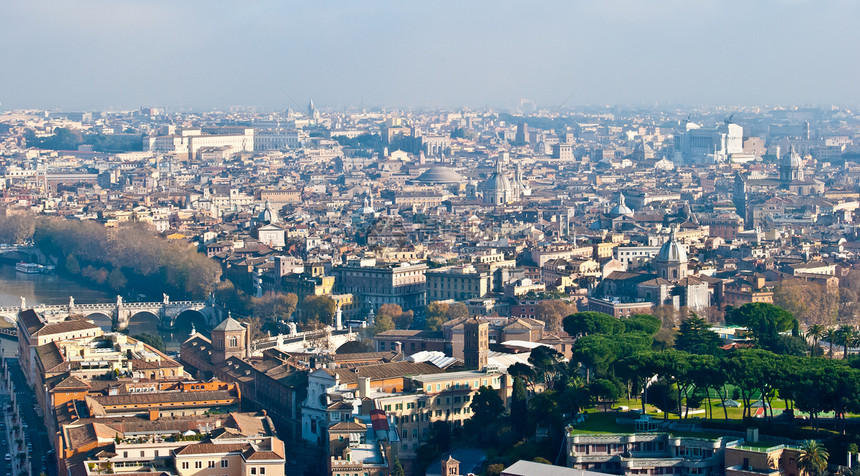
35	434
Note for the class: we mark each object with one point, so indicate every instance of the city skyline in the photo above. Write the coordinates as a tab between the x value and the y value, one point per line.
104	55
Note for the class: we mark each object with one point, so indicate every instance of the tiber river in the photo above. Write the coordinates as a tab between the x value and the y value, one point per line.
53	288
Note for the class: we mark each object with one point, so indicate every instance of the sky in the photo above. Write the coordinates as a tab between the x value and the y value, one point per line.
272	54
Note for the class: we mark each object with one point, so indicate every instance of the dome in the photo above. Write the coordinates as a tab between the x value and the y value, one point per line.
268	216
497	183
791	159
621	208
672	251
439	174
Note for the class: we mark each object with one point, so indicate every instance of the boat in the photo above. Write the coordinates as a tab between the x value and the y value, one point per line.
29	268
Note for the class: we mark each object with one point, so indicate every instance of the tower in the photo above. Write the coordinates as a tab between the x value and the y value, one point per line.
522	133
450	467
312	111
476	344
228	340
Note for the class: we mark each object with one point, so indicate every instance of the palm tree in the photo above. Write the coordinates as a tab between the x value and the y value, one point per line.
815	332
831	335
845	334
813	458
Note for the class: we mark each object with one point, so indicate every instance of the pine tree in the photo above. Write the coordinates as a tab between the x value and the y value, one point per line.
519	407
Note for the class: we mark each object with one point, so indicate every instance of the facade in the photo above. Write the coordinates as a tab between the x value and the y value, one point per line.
457	283
645	453
403	284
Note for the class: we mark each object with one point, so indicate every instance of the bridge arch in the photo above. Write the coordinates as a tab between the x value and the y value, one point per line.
184	320
143	322
102	320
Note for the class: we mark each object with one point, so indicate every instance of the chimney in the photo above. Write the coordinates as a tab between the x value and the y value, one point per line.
398	347
363	387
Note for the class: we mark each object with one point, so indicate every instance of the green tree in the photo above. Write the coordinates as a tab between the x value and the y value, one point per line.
644	323
764	320
382	323
845	336
831	336
545	362
589	323
815	332
813	458
155	342
663	396
438	312
320	309
116	280
72	265
605	392
486	406
272	306
495	469
696	337
397	468
519	408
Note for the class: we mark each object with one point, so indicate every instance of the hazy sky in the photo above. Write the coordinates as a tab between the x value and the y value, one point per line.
113	54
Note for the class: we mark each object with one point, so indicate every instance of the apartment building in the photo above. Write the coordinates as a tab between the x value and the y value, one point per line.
458	283
403	284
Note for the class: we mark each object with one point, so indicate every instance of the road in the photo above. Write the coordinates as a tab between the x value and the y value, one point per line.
37	435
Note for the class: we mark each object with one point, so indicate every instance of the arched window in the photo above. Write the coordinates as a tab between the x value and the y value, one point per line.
234	341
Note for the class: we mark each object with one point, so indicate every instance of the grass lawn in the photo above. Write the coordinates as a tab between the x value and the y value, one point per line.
604	423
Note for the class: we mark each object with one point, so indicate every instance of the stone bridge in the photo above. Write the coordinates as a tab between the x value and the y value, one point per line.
120	313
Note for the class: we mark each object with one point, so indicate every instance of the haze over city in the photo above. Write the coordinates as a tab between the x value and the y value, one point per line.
495	238
113	55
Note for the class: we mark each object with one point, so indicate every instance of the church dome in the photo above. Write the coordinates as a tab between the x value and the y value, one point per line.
672	251
497	182
268	216
621	208
791	159
439	174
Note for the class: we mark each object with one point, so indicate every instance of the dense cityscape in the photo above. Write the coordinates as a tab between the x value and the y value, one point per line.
396	239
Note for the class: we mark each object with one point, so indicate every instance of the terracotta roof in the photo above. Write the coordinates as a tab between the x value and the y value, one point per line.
162	397
71	383
211	448
64	327
229	324
248	425
384	371
348	426
51	358
30	321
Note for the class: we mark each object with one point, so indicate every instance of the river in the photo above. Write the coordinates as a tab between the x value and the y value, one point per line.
52	288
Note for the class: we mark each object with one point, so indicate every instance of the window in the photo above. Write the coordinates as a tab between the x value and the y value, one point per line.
262	470
253	470
211	464
198	464
142	453
125	454
398	406
224	463
185	465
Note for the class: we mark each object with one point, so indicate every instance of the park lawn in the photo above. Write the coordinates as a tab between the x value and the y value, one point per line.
604	423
